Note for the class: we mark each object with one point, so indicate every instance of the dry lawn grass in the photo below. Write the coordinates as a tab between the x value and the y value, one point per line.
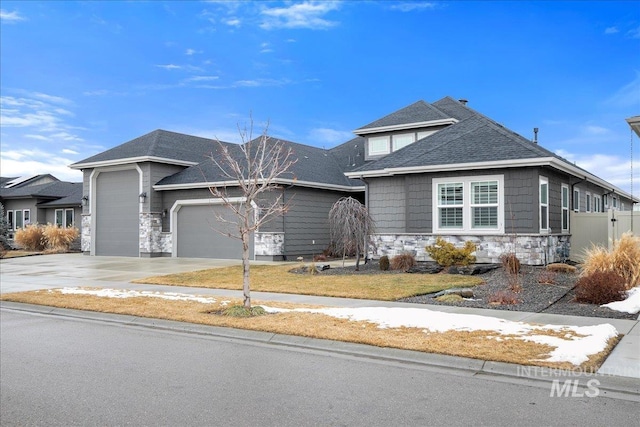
20	253
479	344
267	278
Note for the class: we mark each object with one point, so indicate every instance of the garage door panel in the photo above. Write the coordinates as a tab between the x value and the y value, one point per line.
117	213
199	233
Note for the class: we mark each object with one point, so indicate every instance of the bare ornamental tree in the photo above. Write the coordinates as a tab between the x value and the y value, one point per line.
254	168
350	226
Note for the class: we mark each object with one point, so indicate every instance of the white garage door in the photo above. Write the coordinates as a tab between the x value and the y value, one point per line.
197	236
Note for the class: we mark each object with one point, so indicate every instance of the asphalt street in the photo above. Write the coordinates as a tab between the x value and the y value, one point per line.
58	370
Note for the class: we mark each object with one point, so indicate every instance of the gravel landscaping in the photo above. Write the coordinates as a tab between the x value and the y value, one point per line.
556	298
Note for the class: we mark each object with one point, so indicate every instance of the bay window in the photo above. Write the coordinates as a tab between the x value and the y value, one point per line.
468	204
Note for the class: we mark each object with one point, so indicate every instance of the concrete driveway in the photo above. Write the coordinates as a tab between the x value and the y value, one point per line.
59	270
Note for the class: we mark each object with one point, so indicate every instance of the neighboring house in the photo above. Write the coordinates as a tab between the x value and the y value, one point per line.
443	169
40	199
150	197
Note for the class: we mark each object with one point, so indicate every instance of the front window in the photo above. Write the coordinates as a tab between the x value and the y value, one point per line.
597	204
450	205
588	201
59	219
576	200
484	204
68	218
544	204
565	207
10	220
468	204
378	145
19	220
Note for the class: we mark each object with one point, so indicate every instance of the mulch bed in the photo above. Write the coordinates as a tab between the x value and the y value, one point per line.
556	298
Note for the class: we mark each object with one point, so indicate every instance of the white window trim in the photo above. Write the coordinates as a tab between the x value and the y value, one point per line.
597	203
588	200
26	213
11	224
574	199
73	218
393	140
565	227
55	218
543	180
379	152
466	206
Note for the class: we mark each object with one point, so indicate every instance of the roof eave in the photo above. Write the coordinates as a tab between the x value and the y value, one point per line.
309	184
540	161
129	160
405	126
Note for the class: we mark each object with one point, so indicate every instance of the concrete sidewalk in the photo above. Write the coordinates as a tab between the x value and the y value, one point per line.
54	271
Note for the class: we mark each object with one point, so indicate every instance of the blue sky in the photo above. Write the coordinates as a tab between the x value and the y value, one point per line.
77	78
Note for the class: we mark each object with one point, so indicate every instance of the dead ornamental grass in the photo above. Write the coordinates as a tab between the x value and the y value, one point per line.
483	345
624	259
266	278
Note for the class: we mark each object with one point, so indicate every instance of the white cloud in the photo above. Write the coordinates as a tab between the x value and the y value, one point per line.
308	14
330	137
233	22
201	79
68	151
38	137
99	92
170	66
261	82
39	164
412	6
190	52
612	168
595	130
10	17
611	30
627	96
634	33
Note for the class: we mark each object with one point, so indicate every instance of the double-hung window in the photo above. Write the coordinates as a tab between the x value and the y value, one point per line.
468	204
10	220
565	207
576	200
544	204
588	201
597	204
19	220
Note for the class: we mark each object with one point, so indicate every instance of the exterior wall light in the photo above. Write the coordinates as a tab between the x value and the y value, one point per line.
143	196
85	200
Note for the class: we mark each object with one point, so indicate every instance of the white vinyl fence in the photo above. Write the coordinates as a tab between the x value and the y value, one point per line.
601	229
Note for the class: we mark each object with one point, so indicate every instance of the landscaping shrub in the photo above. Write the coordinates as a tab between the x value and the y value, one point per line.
600	287
446	254
504	298
547	277
384	263
451	298
623	260
319	258
403	261
31	238
561	268
510	263
59	239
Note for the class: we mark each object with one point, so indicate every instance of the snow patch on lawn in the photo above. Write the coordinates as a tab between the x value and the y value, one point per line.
578	344
630	305
123	293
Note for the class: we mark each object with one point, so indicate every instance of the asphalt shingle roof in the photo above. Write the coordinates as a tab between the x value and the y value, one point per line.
313	165
159	143
71	192
474	139
417	112
350	155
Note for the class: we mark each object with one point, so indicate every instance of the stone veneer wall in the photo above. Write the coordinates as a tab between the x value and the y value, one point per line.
85	233
531	249
153	241
268	244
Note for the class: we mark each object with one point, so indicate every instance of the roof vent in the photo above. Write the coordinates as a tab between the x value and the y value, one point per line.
535	135
463	101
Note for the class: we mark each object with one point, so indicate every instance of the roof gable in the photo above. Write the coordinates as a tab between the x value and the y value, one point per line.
170	147
418	112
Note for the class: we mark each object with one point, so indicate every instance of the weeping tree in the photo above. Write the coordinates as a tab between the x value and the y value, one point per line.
250	171
350	225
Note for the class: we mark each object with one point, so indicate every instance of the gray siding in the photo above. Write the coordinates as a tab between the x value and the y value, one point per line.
387	203
521	195
50	215
152	173
419	206
307	220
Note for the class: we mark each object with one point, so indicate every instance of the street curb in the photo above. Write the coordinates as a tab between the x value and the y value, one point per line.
617	387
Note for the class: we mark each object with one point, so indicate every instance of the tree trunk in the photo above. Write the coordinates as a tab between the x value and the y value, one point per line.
246	290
